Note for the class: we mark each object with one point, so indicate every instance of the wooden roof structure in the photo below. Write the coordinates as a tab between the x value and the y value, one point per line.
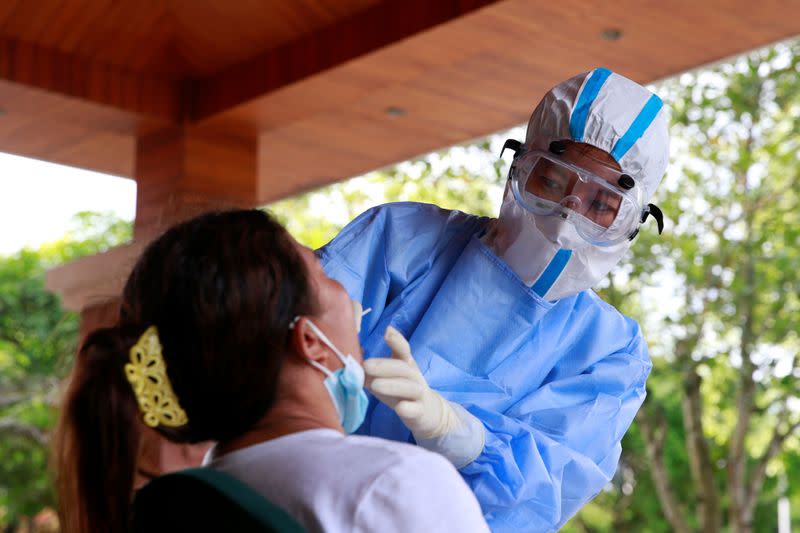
205	102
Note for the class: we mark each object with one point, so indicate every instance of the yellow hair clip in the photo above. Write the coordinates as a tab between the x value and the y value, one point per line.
147	374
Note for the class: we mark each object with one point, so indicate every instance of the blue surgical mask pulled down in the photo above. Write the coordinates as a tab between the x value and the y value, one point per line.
345	385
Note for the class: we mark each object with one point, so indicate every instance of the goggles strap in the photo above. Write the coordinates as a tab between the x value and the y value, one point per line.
654	210
513	145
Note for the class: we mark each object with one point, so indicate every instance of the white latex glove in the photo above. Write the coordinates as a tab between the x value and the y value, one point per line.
398	383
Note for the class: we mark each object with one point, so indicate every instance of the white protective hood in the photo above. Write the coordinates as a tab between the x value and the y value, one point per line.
610	112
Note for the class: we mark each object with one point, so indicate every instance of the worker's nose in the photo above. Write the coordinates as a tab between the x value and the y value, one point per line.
571	202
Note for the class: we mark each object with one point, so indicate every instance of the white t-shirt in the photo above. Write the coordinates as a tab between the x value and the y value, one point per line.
331	482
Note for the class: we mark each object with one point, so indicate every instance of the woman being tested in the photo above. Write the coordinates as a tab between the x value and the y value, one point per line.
230	331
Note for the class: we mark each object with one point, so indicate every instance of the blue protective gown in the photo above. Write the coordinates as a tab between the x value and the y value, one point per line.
556	385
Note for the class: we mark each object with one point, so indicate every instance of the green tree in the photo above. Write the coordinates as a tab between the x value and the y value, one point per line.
468	178
37	340
729	332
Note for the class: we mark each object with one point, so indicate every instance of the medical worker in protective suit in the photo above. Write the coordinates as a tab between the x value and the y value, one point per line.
513	368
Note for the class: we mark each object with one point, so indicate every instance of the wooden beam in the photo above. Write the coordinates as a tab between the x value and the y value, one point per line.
68	110
89	85
95	279
478	74
375	27
67	143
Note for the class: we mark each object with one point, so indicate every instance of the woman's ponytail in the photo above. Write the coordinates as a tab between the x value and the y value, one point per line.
97	438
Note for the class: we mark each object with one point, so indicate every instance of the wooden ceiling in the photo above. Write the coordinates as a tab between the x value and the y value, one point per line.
176	39
313	79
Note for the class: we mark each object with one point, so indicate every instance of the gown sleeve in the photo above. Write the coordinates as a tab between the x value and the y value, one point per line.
555	449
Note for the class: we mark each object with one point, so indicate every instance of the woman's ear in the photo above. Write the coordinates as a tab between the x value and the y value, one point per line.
306	344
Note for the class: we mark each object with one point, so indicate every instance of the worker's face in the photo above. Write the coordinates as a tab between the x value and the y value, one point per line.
335	314
561	185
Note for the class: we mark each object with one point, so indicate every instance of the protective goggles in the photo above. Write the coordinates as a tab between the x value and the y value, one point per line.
604	205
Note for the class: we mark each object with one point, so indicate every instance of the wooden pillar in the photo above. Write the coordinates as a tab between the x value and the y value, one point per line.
182	172
99	315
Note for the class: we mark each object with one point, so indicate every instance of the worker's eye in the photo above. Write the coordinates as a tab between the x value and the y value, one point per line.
600	206
550	184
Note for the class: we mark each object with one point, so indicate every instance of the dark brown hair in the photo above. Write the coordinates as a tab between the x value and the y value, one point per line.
222	290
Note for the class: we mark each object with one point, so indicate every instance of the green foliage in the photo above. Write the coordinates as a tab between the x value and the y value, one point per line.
730	256
37	340
467	178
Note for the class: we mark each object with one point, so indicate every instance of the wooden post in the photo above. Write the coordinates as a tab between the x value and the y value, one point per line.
181	172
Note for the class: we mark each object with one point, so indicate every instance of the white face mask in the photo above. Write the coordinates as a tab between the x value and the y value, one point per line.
547	253
345	385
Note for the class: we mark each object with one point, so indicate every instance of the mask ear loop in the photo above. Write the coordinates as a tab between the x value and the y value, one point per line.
324	339
322	368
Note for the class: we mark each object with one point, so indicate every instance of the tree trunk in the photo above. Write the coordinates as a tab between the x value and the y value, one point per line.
740	512
699	458
737	459
654	442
